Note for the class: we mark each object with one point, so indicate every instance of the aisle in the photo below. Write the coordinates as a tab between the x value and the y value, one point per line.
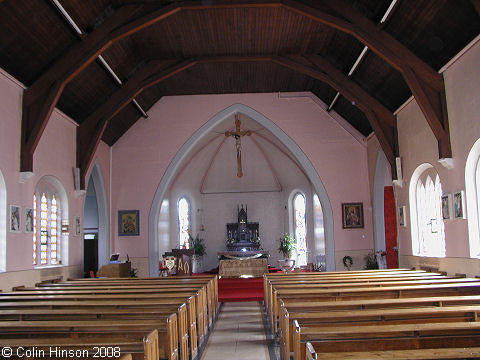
238	334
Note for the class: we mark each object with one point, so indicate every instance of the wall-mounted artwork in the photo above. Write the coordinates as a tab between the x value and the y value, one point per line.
447	207
28	227
459	205
14	218
128	222
78	228
352	215
402	216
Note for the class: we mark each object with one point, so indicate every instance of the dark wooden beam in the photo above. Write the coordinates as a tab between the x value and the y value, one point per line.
476	5
41	98
381	119
90	132
425	83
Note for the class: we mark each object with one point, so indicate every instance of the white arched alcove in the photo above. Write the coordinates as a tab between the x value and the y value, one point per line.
382	166
182	154
472	181
3	224
95	175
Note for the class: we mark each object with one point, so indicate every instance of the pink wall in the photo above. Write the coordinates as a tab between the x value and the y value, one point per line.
418	145
55	156
141	156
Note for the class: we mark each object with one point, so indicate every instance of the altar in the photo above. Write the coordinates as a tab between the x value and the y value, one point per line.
245	267
244	255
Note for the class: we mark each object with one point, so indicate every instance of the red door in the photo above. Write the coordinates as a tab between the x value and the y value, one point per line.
389	212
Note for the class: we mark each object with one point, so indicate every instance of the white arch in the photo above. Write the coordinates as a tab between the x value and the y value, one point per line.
182	153
472	171
63	198
381	167
3	224
95	175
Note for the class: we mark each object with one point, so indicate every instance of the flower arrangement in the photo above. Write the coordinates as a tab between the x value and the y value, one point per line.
371	261
287	245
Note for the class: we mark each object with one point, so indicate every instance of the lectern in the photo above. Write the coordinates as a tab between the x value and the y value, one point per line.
183	260
115	270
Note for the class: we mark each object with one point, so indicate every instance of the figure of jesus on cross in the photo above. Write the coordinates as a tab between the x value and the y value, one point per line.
237	134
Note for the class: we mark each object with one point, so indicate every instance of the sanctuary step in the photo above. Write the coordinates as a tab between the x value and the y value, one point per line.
238	289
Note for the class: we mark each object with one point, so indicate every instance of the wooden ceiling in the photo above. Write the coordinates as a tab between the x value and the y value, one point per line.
159	48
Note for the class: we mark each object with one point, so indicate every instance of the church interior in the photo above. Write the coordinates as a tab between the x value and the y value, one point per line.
133	131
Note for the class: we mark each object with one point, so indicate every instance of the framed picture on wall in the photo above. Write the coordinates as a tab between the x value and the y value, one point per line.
447	207
128	222
14	218
352	215
28	224
402	216
459	205
77	225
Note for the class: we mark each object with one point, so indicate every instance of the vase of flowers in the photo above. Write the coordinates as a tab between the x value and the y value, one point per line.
286	247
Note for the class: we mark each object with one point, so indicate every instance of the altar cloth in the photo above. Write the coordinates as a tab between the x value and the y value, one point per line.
247	267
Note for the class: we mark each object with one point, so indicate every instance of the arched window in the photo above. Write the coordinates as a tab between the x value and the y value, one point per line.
46	236
50	246
472	195
183	222
428	234
300	228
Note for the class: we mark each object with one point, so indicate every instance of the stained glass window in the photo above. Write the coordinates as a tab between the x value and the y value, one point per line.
34	229
53	230
300	225
43	229
183	222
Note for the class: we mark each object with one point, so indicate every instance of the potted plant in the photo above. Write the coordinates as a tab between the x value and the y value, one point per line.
286	247
371	261
199	249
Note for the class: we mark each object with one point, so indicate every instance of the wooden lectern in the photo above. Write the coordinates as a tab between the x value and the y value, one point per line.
183	260
115	270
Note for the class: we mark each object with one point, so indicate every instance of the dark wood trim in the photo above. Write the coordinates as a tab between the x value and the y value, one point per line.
133	17
90	132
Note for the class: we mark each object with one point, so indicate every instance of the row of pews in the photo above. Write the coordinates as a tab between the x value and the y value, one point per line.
120	318
375	314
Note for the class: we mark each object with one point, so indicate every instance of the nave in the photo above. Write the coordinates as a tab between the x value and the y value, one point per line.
239	334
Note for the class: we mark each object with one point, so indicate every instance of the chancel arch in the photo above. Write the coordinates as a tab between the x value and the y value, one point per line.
157	246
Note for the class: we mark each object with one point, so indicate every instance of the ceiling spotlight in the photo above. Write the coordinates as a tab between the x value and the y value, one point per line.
353	102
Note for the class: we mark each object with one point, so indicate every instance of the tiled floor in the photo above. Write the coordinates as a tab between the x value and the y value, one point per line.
238	334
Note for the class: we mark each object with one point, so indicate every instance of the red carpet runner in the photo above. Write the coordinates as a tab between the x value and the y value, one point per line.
250	289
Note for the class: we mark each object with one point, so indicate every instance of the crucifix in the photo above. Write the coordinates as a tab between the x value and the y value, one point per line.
237	134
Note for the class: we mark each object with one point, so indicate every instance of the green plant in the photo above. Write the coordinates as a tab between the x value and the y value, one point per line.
371	261
197	245
133	273
287	245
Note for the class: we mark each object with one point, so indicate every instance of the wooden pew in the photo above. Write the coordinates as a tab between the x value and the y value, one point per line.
180	327
86	332
352	277
89	348
387	337
416	354
379	316
385	292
